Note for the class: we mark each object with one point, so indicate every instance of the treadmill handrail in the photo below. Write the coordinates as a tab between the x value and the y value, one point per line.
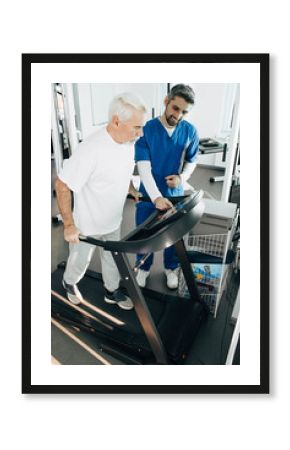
146	198
166	233
92	240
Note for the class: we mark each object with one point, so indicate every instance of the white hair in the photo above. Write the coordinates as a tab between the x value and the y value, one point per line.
123	106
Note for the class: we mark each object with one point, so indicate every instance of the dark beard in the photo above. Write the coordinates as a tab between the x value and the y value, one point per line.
171	122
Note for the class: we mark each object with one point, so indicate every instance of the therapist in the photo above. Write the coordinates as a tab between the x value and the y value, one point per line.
165	157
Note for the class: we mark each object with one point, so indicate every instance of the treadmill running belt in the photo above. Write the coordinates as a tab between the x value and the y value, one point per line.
93	292
177	319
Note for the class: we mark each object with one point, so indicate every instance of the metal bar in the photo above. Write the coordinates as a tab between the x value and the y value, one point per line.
91	240
232	145
234	343
141	307
173	200
187	270
224	153
141	262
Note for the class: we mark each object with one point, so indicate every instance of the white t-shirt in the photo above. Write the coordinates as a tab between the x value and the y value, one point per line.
99	173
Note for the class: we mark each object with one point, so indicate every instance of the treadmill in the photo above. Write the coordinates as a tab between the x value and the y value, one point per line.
161	328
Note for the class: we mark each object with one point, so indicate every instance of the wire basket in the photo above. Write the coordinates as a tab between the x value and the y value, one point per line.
209	276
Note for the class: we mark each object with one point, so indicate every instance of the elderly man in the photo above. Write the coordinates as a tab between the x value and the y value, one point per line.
99	173
165	157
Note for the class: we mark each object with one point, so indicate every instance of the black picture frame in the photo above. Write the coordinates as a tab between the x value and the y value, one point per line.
260	59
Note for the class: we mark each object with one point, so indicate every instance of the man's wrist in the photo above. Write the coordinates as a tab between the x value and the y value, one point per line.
157	198
67	225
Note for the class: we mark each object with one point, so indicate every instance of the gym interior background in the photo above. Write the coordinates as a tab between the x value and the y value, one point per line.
77	111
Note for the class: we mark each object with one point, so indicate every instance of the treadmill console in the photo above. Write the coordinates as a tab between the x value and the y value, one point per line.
160	220
166	217
162	228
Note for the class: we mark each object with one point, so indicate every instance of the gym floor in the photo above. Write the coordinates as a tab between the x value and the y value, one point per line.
212	342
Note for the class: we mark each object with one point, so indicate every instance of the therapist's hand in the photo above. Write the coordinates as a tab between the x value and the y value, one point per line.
173	181
162	203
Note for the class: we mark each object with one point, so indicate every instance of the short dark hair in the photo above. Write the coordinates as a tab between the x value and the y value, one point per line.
184	91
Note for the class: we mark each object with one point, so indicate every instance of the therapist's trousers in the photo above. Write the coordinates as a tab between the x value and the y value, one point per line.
143	211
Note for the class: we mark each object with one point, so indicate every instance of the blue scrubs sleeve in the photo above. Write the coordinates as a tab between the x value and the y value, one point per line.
192	149
142	152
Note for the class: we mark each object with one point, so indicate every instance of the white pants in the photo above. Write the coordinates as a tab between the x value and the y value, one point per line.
80	256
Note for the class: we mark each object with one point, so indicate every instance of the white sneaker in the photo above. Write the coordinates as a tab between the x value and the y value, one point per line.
172	278
141	277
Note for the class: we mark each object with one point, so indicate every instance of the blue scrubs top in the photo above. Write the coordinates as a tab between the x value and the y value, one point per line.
166	153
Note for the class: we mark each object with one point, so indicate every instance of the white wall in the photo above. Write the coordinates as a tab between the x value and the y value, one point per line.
207	113
85	104
94	100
